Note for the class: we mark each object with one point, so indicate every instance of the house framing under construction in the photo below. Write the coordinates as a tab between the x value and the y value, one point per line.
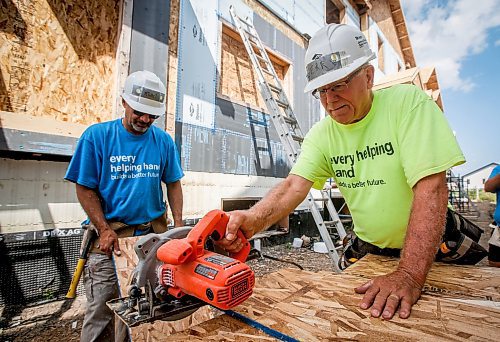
63	63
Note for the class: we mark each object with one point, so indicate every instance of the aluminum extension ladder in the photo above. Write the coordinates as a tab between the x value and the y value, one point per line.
288	127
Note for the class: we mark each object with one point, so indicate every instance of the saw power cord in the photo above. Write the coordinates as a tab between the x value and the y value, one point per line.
254	254
265	329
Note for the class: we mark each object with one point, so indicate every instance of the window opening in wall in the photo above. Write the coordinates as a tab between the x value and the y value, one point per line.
334	12
237	79
380	54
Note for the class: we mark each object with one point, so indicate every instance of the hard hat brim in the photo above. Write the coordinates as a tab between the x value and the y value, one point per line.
143	108
336	75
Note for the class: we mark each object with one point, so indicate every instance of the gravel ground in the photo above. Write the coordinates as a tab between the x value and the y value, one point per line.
305	257
62	320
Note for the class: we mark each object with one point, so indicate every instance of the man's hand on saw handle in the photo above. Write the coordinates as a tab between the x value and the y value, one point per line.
238	220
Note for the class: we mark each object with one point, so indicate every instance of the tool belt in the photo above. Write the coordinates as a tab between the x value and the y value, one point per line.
158	226
355	248
459	244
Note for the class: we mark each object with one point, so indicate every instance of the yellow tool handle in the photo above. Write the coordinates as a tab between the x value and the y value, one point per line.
88	237
76	278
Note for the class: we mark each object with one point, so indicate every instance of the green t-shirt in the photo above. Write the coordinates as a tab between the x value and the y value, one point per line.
377	161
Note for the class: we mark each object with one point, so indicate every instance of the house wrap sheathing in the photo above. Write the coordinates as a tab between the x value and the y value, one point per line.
63	63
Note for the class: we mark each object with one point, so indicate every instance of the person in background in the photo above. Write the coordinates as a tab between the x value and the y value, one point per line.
388	151
118	168
493	185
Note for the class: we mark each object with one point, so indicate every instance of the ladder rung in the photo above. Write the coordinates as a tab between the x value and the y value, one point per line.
281	103
289	120
251	35
245	22
321	199
261	58
274	88
297	138
330	223
268	72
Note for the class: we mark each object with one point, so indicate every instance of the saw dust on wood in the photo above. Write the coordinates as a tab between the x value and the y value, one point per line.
323	306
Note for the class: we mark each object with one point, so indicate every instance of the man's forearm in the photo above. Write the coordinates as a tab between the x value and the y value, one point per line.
91	204
280	201
175	200
426	226
492	184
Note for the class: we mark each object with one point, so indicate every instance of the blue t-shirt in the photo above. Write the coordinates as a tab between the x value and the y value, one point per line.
126	170
496	215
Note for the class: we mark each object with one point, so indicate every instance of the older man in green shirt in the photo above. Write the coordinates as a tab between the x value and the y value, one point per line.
388	152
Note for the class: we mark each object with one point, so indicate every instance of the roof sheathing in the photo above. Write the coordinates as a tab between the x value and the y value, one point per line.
402	33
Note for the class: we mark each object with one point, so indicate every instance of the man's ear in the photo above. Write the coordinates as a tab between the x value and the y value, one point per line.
370	76
124	104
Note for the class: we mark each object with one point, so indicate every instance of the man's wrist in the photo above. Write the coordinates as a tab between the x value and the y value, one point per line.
416	275
101	228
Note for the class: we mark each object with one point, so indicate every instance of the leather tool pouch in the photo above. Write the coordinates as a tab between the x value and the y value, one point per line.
158	226
460	241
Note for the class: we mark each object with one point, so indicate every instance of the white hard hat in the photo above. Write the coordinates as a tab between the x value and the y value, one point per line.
333	53
145	92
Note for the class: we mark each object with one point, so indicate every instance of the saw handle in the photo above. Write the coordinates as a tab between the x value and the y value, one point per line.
213	224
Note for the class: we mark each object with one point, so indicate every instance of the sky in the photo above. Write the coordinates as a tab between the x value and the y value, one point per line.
461	38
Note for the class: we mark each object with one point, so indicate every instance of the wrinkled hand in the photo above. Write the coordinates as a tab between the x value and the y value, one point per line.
108	242
384	294
238	220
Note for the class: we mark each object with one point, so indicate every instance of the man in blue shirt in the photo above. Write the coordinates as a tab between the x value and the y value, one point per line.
118	167
493	185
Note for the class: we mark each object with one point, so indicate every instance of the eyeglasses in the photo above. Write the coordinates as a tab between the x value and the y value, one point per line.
338	87
151	116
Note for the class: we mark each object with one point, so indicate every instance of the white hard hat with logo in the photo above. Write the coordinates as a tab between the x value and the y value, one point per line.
145	92
335	52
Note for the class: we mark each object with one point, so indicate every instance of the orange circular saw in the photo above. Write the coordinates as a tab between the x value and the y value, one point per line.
178	272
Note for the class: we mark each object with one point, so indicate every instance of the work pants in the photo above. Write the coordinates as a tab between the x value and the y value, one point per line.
101	285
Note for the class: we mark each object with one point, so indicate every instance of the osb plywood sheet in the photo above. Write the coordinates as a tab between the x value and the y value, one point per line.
57	58
238	80
158	330
448	280
381	14
323	307
224	329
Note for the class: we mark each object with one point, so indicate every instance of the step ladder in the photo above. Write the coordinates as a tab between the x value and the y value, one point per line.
288	128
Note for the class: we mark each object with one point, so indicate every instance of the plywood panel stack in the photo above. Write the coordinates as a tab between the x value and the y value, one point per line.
158	330
238	80
57	58
323	307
